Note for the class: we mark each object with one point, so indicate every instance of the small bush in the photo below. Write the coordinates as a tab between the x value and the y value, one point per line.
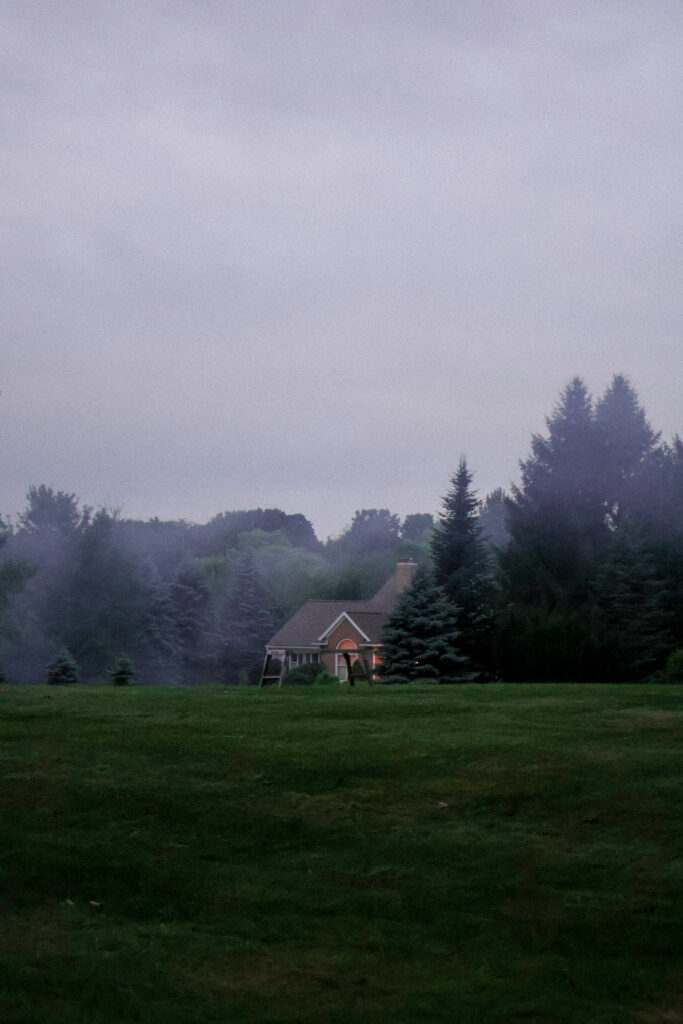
394	680
62	670
122	672
302	675
325	678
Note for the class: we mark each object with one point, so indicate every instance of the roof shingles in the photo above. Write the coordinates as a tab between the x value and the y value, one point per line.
314	619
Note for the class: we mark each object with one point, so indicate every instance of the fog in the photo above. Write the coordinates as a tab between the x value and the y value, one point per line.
305	255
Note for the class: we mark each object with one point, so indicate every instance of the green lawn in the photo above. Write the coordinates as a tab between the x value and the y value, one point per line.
485	854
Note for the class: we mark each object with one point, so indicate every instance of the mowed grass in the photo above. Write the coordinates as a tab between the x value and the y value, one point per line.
458	854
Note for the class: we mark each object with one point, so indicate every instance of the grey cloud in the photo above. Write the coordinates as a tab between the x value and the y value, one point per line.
245	240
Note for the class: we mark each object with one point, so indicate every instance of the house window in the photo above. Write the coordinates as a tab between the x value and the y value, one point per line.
296	658
340	669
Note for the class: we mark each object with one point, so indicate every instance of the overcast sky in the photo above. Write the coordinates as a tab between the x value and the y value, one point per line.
306	254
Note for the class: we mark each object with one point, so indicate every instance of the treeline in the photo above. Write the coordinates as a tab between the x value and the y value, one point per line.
577	574
184	603
588	583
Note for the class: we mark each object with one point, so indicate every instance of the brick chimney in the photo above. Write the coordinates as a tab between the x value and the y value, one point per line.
405	574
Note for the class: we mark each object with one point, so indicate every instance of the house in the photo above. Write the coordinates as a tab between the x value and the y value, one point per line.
337	633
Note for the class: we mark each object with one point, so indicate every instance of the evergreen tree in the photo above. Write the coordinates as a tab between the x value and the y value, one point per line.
590	580
421	637
159	658
630	598
556	518
122	672
666	525
493	519
625	443
538	644
62	670
458	531
462	566
13	576
247	623
190	607
104	598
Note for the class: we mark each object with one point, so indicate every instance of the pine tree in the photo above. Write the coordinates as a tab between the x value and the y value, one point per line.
625	443
122	672
62	670
462	566
190	601
458	529
104	599
588	570
13	577
556	518
631	610
247	622
493	519
421	637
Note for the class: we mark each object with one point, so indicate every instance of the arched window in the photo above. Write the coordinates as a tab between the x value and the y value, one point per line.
340	669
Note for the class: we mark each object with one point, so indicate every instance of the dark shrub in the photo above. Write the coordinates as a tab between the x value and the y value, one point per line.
324	678
302	675
122	672
62	670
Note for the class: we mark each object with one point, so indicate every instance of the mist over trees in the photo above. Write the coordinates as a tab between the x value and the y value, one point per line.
185	603
591	575
576	574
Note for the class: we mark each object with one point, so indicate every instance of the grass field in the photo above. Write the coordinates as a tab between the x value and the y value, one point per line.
455	854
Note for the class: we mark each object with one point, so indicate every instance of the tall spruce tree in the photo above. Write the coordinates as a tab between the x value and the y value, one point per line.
247	622
493	519
462	566
667	533
556	518
13	576
104	598
588	573
190	603
421	637
631	608
625	444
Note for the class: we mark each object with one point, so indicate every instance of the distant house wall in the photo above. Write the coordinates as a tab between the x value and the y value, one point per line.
346	634
346	637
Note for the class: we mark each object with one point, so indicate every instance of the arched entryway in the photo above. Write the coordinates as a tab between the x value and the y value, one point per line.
346	653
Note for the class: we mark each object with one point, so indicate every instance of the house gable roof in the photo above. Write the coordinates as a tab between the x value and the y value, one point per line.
310	626
306	625
333	625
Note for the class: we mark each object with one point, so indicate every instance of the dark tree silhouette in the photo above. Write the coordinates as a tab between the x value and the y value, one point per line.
462	566
421	638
